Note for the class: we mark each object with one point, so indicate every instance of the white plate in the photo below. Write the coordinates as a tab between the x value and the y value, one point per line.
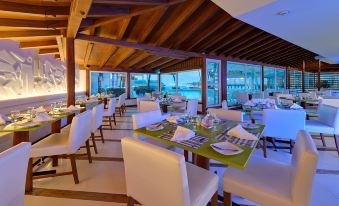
154	127
226	148
249	125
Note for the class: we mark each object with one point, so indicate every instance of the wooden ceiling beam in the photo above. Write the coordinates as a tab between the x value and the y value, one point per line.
29	33
49	51
107	55
216	24
292	56
98	10
253	48
38	44
133	12
147	61
276	52
88	53
159	65
171	63
34	10
33	24
230	51
78	11
149	48
190	27
175	20
229	39
261	47
137	59
132	2
121	56
162	60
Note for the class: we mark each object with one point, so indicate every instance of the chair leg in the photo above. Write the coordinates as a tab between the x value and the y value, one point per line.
274	145
336	140
74	168
130	201
88	148
120	111
186	155
214	200
94	144
291	146
55	160
101	134
115	122
227	199
264	148
110	122
322	139
29	176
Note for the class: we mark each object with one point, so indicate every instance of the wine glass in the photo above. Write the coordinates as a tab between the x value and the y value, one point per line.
30	112
193	121
14	116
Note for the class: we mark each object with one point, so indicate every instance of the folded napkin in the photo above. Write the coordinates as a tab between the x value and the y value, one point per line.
249	104
296	106
73	108
319	98
241	133
182	134
42	117
40	109
172	119
4	119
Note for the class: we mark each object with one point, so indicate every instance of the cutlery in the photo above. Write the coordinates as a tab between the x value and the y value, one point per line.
219	148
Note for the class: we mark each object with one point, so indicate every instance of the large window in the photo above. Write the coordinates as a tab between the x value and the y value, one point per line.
310	80
295	81
213	82
274	79
329	80
242	78
280	79
186	83
143	83
108	83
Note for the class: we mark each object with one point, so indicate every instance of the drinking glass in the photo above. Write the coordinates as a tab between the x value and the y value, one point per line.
30	112
14	116
193	121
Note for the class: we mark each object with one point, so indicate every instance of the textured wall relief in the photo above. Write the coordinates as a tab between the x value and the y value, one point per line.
31	75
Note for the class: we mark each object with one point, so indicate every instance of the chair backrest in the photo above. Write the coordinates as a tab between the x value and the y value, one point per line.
224	105
304	164
97	117
13	164
232	115
154	176
329	115
111	106
283	124
148	95
80	131
284	96
143	119
146	106
121	100
139	99
192	107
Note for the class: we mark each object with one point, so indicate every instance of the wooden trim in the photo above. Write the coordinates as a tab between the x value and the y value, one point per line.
262	78
88	76
78	11
70	63
128	85
303	77
204	85
319	71
223	78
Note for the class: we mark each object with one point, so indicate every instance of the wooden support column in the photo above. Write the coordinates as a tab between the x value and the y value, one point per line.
128	85
303	76
204	85
287	78
88	82
262	78
319	71
223	80
70	71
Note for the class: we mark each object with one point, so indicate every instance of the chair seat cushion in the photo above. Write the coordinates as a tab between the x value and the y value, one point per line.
202	184
318	127
54	144
264	181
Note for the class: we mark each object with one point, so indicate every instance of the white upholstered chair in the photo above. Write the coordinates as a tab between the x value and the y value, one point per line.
192	107
269	182
96	124
110	112
282	124
120	106
66	143
155	176
327	123
284	99
13	164
139	99
232	115
146	106
224	105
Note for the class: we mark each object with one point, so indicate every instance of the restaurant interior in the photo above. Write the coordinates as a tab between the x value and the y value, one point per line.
169	102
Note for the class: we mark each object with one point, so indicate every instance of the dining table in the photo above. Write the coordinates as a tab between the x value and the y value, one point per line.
164	104
201	146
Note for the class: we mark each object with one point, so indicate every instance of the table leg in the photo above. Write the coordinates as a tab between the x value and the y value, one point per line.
164	108
70	118
29	176
19	137
203	162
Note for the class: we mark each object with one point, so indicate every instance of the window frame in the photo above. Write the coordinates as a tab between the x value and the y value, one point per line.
219	83
90	79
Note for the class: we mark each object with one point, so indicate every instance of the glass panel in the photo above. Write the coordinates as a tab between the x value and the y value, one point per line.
189	84
108	83
310	80
269	78
280	79
253	78
235	80
329	80
213	83
143	83
168	83
295	81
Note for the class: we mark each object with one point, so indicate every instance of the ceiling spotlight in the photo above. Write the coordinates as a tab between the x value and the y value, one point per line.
283	12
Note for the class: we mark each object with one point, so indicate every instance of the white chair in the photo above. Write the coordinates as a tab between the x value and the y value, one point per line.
139	99
269	182
231	115
13	164
224	105
121	104
282	124
63	144
192	107
327	123
284	99
96	124
148	95
155	176
146	106
110	112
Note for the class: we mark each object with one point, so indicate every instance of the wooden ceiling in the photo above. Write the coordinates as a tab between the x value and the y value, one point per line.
163	32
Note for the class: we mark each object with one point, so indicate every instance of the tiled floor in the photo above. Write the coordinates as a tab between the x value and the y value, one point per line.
102	182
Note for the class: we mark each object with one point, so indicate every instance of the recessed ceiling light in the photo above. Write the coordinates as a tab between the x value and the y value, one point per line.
283	12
